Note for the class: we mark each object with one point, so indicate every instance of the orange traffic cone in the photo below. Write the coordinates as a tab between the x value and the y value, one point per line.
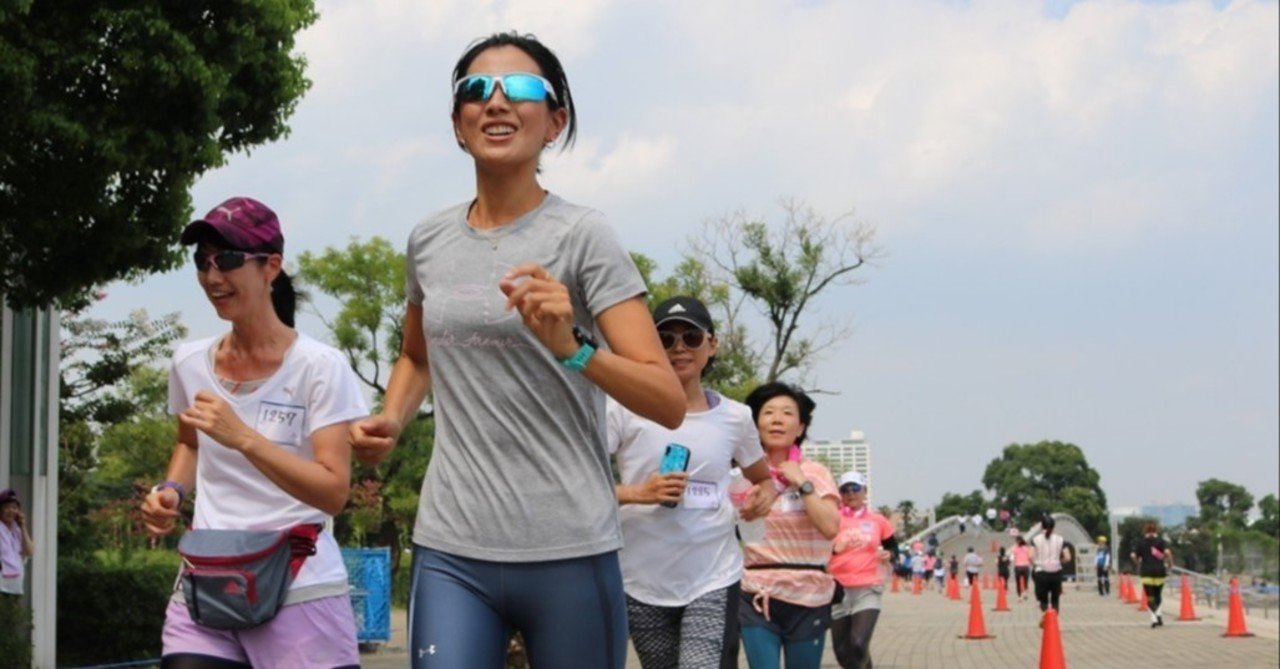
953	588
895	584
1002	595
1131	597
1051	656
1142	603
1188	611
977	626
995	546
1235	613
917	585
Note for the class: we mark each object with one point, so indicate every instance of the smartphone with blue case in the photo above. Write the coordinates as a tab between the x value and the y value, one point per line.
674	459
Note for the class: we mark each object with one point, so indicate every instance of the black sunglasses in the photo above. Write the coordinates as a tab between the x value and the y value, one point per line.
850	487
225	261
692	338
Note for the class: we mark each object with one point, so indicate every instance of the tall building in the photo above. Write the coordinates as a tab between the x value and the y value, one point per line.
1170	515
843	455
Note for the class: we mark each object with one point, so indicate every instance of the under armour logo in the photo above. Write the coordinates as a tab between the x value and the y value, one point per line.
429	650
677	309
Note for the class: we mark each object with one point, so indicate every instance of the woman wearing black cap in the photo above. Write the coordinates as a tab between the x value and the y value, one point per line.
263	413
681	564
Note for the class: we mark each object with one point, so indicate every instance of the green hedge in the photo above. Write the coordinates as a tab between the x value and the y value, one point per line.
15	633
111	606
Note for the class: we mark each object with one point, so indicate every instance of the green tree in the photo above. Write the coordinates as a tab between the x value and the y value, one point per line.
1269	520
780	269
1050	476
111	111
367	280
911	521
111	398
954	504
1223	503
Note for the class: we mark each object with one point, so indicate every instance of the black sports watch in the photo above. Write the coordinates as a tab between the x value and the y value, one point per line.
805	488
584	338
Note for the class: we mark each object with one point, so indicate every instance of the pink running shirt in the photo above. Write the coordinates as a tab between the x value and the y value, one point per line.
854	563
791	538
1021	556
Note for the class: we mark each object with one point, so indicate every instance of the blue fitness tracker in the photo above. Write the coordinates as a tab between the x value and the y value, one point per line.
586	348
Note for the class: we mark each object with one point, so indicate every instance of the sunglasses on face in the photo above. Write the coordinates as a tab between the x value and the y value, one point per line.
516	86
850	488
225	261
692	338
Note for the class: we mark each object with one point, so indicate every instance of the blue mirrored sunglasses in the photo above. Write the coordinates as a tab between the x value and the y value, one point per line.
516	86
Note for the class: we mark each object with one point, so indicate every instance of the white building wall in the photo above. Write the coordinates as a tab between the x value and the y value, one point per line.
32	470
842	455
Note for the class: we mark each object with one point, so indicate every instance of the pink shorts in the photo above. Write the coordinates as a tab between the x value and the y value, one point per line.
318	633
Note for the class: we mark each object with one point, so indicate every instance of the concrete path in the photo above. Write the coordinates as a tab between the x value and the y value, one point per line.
1097	633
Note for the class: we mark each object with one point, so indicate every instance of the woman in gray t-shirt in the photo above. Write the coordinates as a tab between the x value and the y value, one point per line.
517	526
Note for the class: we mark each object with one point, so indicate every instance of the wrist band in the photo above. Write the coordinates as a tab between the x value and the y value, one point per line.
578	361
177	487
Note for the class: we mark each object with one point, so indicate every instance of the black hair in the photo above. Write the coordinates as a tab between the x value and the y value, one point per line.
547	61
1048	523
284	299
762	394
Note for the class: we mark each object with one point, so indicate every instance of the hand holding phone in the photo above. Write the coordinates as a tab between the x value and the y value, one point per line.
674	459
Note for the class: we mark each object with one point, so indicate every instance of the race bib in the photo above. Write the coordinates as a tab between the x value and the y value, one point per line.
281	423
701	495
791	501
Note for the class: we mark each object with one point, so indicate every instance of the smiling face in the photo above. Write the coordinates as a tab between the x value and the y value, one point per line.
9	512
498	132
851	499
687	362
779	423
240	293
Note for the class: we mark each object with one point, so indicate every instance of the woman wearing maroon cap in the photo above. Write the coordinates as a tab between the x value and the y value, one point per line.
263	412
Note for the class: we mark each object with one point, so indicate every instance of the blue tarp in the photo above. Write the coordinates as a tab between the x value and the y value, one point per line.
369	574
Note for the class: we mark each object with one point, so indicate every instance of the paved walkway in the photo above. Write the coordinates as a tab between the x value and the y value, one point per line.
921	631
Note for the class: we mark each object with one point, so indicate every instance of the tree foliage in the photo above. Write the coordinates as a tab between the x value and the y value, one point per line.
777	268
111	111
780	268
1030	480
1223	503
115	435
954	504
367	280
1268	521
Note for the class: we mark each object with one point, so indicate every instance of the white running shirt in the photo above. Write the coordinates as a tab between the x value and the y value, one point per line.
672	556
314	388
1048	555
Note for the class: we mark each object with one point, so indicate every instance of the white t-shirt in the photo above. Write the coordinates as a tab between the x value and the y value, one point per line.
1048	555
972	563
12	563
672	556
314	388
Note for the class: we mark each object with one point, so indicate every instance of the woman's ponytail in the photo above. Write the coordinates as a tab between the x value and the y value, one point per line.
283	298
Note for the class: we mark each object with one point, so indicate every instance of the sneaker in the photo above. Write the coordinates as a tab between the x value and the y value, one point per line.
1159	621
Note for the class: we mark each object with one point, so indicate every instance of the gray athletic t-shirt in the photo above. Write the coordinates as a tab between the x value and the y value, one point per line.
520	471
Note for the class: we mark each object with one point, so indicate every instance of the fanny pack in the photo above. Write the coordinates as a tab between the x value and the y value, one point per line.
237	579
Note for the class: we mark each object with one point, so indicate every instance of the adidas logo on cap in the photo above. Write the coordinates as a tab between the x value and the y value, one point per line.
677	309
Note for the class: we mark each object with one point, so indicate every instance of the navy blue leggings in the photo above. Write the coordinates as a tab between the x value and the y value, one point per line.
462	612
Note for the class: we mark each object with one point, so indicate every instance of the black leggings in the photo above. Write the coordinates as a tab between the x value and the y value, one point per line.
1048	589
1021	575
851	638
1154	597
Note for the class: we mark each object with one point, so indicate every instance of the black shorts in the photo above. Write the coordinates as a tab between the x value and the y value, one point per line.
791	622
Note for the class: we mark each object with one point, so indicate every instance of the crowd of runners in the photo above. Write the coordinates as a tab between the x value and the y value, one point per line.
527	322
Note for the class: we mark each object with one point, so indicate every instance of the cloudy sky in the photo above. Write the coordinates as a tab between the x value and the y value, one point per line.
1078	200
